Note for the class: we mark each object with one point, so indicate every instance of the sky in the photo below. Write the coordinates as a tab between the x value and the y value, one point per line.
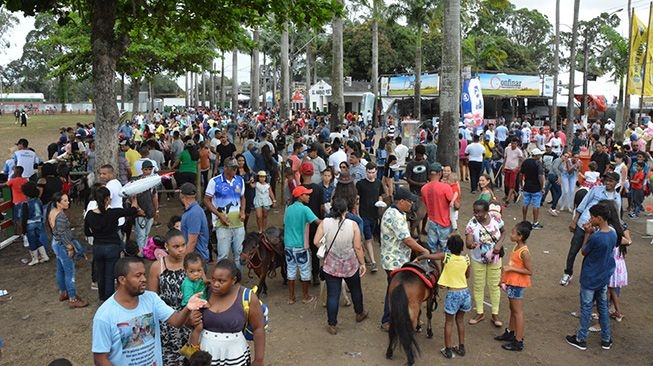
588	10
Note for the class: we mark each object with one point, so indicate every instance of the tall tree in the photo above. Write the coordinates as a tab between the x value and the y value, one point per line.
337	72
256	74
450	85
572	70
234	80
112	24
284	105
418	14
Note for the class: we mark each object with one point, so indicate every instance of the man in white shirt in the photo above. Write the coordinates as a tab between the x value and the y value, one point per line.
318	164
25	158
145	152
108	177
475	152
337	157
501	133
525	136
336	134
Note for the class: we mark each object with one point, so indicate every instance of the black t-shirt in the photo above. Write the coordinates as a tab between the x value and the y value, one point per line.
225	151
369	193
532	170
316	199
104	228
602	160
417	171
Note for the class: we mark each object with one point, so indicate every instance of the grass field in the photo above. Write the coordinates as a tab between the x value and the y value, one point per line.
41	130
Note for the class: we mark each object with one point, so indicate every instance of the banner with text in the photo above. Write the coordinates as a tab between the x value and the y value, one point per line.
472	103
511	85
638	36
404	85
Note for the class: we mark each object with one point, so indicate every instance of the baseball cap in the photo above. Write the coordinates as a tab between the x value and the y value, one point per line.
307	168
147	164
404	194
230	162
299	190
536	151
612	176
188	189
23	142
435	167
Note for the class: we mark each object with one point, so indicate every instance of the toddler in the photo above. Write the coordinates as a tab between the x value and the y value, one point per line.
263	200
195	279
591	176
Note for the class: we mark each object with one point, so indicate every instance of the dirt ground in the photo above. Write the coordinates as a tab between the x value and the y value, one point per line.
37	328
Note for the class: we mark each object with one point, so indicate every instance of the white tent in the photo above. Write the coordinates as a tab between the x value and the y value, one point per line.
242	97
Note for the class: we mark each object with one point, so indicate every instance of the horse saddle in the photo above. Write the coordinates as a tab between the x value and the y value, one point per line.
427	273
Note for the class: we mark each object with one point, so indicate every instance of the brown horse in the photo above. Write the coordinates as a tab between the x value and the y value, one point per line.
264	253
411	285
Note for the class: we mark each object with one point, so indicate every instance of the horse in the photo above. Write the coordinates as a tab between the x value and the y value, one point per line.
411	285
264	253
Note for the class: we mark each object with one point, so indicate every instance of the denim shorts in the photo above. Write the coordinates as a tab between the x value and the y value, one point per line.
457	300
298	258
368	228
514	292
437	236
533	198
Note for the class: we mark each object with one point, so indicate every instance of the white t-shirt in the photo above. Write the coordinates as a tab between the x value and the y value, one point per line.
131	336
114	187
336	158
475	152
139	163
26	158
525	135
401	152
556	145
335	135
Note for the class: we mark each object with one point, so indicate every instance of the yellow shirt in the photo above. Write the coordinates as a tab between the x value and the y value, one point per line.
160	131
453	272
132	156
138	135
488	149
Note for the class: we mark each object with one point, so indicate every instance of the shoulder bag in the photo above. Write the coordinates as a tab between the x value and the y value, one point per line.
329	249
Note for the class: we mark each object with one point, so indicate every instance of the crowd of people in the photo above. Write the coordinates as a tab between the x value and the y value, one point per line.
339	191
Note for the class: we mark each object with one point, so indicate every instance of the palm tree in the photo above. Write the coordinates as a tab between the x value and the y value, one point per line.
284	106
337	72
572	70
255	73
418	14
234	80
450	85
615	58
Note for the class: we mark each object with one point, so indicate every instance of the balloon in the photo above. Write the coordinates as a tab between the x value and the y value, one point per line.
143	184
649	208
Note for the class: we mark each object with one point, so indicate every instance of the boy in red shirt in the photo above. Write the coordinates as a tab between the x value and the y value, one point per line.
17	198
637	187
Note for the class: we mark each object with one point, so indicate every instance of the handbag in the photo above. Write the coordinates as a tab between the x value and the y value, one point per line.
321	274
502	251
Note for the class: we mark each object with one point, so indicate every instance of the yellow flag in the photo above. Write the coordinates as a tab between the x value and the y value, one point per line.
648	70
638	38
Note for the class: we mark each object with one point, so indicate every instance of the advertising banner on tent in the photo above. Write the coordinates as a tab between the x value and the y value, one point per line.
510	85
638	36
404	85
472	103
547	86
385	81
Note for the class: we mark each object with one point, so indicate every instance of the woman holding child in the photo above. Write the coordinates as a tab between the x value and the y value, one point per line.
165	278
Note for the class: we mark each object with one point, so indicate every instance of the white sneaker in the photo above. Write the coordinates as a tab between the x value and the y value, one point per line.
553	212
564	281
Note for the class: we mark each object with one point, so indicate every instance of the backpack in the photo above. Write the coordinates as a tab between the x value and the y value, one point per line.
248	330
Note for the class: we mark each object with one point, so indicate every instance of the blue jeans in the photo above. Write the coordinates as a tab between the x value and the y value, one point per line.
33	232
65	269
334	287
587	298
142	227
553	187
298	259
568	190
230	239
104	261
399	174
437	236
487	167
44	238
386	304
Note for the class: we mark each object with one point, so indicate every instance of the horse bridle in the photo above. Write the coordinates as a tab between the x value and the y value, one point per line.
255	252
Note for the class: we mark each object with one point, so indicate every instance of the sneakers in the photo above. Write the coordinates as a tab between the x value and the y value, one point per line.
459	350
446	352
373	268
537	225
606	344
515	345
507	336
581	345
553	212
566	278
76	302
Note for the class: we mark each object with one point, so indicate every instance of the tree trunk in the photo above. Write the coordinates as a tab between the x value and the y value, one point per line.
255	85
122	92
63	92
150	93
186	92
106	52
619	117
136	95
556	67
203	88
375	65
450	86
284	106
337	73
309	60
572	70
234	80
418	76
223	93
212	105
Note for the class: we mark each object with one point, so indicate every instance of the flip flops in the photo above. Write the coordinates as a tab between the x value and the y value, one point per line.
477	319
309	300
